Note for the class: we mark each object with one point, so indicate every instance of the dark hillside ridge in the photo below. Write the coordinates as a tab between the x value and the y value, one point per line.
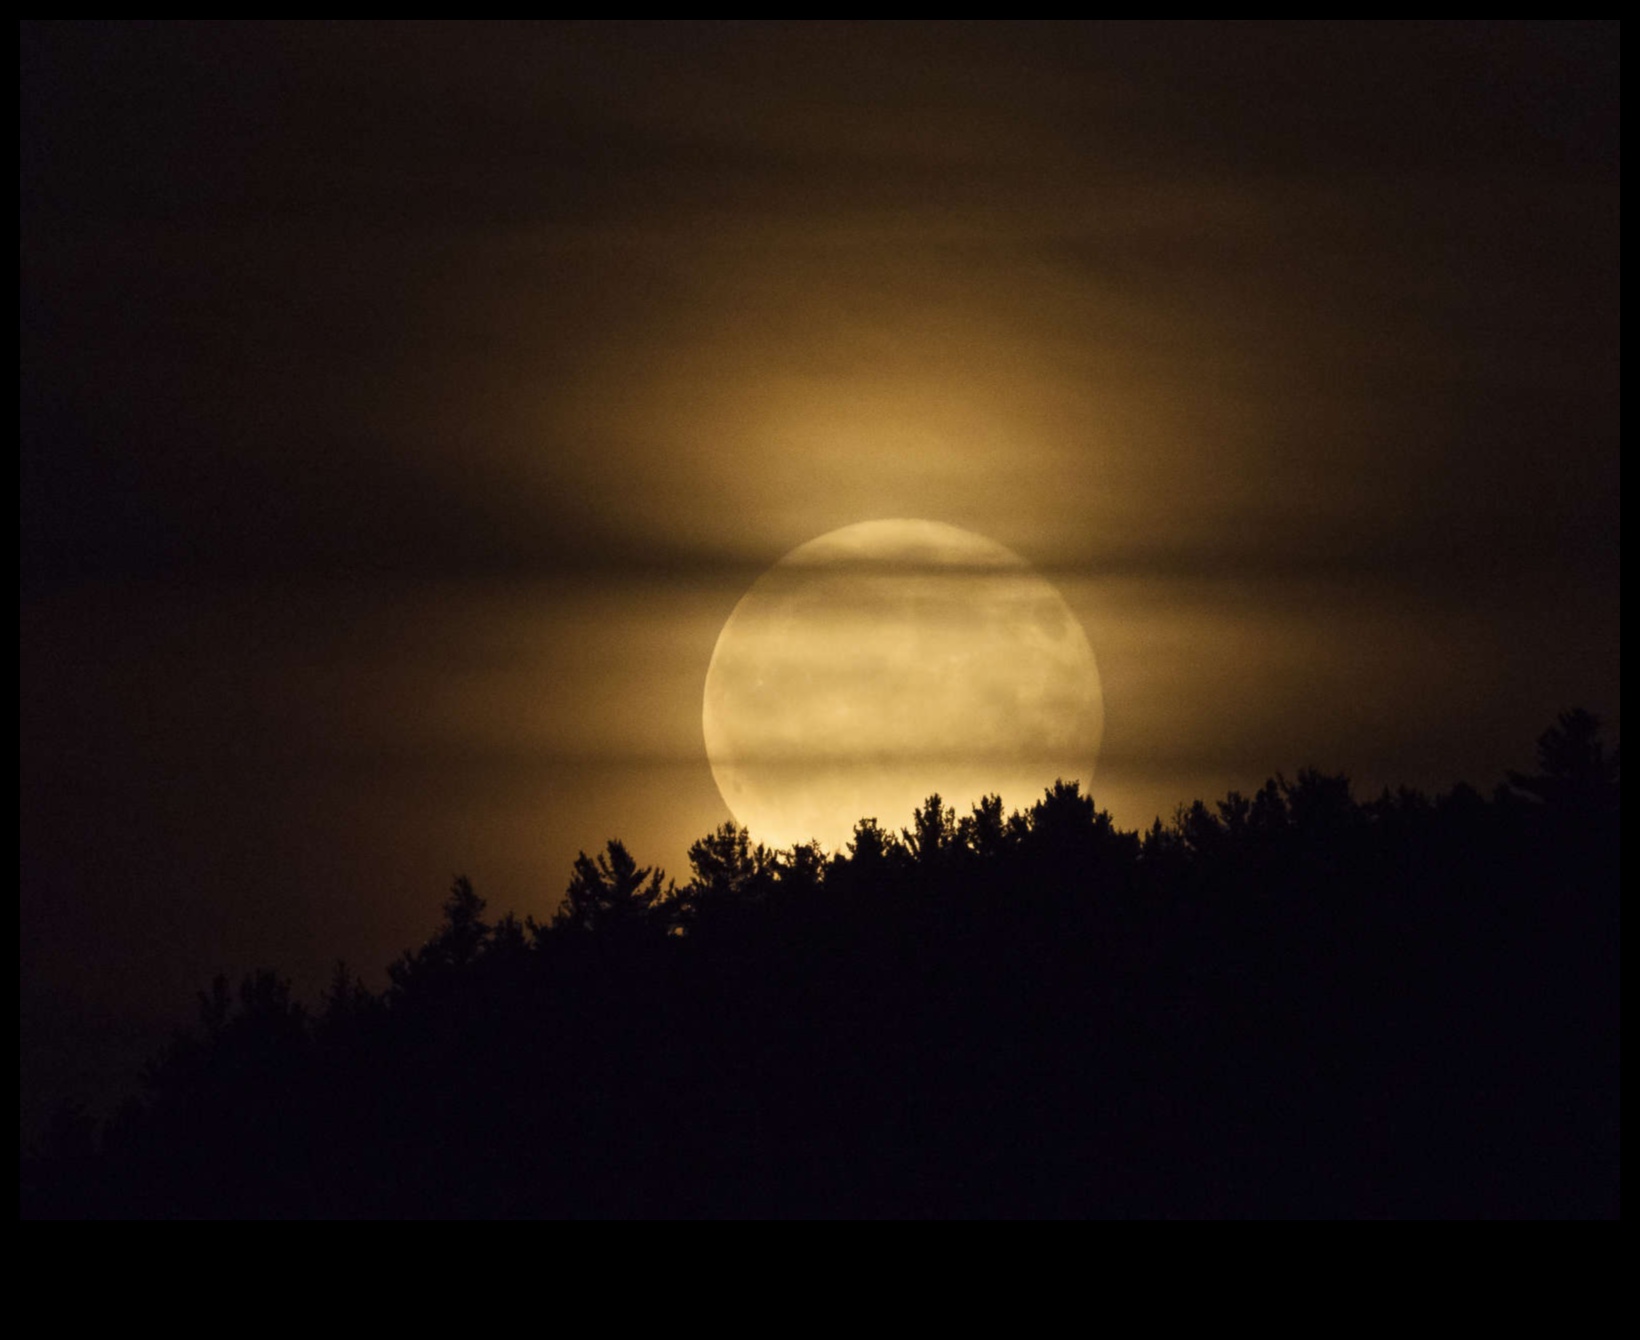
1294	1004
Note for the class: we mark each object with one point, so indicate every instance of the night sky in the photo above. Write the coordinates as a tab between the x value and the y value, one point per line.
403	410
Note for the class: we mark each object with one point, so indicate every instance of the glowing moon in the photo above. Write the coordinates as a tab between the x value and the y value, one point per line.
888	660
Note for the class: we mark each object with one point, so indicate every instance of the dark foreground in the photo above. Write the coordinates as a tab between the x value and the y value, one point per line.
1289	1005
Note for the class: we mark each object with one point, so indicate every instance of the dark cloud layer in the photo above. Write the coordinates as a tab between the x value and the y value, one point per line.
251	254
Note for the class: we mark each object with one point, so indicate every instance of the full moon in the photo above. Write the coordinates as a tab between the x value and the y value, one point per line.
887	661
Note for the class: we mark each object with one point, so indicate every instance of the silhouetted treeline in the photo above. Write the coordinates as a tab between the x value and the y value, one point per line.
1293	1003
